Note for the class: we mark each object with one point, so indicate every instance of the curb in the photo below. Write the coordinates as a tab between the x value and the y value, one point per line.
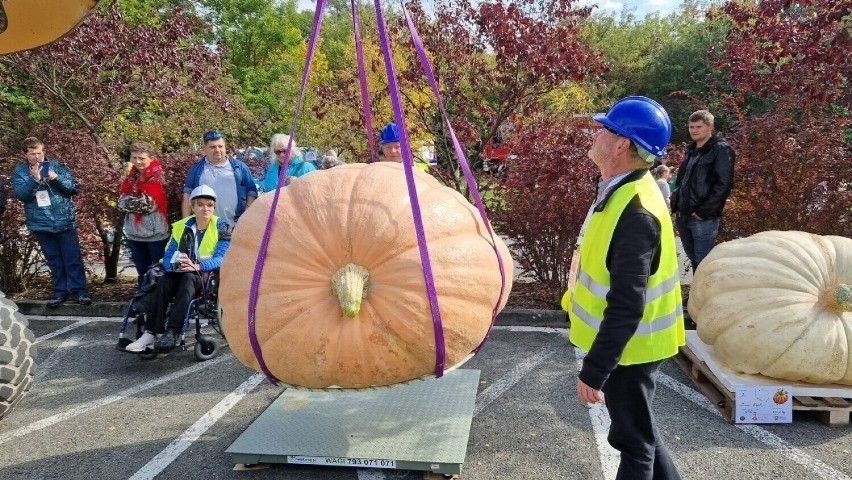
509	317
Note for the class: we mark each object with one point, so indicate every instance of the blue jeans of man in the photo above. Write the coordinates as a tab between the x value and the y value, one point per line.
145	254
628	395
698	236
62	252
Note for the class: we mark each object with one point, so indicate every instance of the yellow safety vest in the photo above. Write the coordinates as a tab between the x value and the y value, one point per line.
661	329
208	243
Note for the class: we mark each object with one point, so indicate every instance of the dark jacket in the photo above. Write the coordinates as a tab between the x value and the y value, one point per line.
705	179
2	195
633	256
59	216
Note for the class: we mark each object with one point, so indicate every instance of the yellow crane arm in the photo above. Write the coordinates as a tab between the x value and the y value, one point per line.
26	24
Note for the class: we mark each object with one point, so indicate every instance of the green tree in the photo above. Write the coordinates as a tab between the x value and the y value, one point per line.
263	46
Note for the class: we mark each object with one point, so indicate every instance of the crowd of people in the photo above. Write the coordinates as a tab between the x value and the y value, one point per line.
217	189
623	298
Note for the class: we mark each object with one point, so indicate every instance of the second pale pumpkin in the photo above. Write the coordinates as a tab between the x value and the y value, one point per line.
342	301
778	304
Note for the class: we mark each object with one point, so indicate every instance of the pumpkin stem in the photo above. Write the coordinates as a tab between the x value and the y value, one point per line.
843	297
350	285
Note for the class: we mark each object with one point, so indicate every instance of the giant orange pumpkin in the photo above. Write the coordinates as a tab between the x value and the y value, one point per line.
342	301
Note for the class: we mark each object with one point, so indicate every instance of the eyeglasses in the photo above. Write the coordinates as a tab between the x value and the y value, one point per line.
279	152
610	130
213	135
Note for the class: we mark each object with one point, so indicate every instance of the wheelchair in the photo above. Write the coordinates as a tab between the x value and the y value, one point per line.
203	310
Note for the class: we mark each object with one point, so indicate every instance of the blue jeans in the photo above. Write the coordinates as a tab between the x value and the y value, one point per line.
145	254
697	236
62	252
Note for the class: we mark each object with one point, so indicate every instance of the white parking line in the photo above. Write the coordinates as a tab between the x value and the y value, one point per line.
508	380
777	443
74	412
526	329
600	428
180	444
65	329
55	357
44	318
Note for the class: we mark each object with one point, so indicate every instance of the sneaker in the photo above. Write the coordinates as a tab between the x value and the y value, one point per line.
167	341
56	302
145	342
84	300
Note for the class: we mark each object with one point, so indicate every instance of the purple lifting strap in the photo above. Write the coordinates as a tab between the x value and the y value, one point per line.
468	175
362	80
408	166
282	178
408	162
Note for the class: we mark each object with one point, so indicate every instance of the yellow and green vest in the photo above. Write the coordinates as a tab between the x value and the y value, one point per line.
208	242
661	329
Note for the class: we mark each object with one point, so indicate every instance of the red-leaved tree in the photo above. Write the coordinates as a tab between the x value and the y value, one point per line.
792	174
545	199
787	64
107	70
494	61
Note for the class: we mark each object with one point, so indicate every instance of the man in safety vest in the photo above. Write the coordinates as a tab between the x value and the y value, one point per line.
391	150
197	245
624	297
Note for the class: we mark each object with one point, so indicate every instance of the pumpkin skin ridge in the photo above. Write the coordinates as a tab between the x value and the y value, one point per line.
813	373
723	315
828	371
735	251
816	351
426	195
304	285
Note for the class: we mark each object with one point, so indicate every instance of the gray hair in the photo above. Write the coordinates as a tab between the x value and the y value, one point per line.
702	116
282	139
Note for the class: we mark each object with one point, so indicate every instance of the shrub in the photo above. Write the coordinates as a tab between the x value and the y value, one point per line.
545	198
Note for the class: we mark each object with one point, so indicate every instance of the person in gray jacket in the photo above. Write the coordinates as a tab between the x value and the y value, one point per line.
45	187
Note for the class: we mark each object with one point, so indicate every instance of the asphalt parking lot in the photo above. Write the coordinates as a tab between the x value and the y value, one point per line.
97	413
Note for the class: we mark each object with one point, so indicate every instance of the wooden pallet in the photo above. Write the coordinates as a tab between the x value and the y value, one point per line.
832	411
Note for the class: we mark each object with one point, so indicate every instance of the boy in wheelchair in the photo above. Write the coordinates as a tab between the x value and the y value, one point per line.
195	250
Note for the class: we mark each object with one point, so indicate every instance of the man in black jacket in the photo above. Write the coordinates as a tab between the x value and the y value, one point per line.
703	184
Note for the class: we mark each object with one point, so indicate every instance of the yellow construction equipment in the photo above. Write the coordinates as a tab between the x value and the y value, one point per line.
26	24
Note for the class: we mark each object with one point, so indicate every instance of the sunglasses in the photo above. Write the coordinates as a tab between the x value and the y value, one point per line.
279	152
213	135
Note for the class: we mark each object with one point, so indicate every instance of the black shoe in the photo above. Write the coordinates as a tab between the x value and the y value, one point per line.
84	300
56	302
166	341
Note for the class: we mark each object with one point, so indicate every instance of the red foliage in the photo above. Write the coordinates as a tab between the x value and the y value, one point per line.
790	175
545	199
492	60
176	166
786	47
106	68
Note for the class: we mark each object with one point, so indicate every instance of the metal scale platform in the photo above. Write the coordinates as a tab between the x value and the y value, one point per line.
418	426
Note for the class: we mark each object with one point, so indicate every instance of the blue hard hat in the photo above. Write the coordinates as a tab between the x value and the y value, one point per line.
389	134
642	120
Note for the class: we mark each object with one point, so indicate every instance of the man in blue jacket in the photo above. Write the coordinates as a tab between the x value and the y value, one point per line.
45	187
230	178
